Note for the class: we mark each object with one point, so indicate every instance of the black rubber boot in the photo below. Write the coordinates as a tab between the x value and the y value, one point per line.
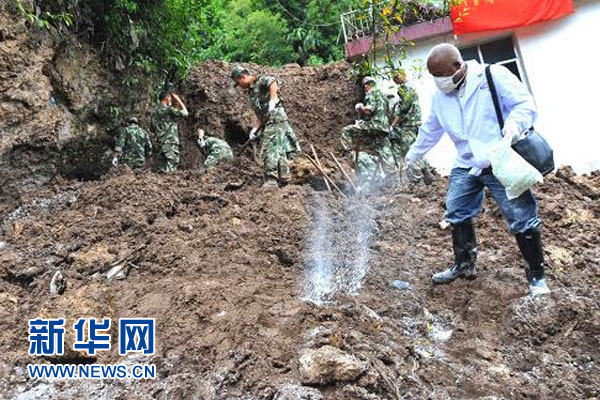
530	244
465	255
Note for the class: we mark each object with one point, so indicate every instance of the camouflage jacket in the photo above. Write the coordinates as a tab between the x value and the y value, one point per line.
408	108
259	99
134	145
391	110
165	121
217	148
378	104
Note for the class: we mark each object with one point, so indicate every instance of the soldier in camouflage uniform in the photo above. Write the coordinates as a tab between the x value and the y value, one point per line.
133	145
215	150
405	128
165	121
370	134
278	141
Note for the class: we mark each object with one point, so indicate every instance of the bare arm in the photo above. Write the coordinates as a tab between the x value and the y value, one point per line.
120	144
259	125
273	89
184	110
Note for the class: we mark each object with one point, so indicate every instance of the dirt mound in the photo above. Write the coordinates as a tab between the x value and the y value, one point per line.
318	101
60	111
221	267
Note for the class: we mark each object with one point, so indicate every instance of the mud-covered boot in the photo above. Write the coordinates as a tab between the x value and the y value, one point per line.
530	244
465	255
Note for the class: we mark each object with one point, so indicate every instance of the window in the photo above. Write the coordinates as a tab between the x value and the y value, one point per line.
500	51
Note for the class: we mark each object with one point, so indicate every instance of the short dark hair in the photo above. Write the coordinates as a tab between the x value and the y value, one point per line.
163	94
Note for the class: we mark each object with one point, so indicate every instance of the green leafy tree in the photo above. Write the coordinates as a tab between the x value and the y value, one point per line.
304	42
255	35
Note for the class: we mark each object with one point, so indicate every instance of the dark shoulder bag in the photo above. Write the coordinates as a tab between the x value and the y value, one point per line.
533	147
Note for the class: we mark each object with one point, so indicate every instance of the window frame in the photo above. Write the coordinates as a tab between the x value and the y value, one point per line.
518	59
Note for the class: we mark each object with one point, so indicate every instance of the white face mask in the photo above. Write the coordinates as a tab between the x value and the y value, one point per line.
446	83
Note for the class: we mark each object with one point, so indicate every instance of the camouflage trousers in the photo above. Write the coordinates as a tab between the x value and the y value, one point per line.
420	171
217	157
132	162
401	141
366	166
274	144
169	157
292	148
357	137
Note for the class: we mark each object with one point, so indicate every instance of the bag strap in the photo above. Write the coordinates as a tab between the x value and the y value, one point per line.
490	81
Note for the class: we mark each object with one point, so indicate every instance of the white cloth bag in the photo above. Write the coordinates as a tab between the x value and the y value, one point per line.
516	174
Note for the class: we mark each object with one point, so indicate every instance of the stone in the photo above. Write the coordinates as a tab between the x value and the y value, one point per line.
444	225
291	391
58	283
329	364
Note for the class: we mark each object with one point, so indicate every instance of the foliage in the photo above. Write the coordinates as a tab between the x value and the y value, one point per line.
165	38
386	18
160	35
254	35
304	41
45	19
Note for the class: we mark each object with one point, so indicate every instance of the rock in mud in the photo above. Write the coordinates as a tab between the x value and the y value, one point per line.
58	283
291	391
358	393
329	364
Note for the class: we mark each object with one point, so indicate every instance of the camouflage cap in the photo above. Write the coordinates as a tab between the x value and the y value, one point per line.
132	120
368	79
238	71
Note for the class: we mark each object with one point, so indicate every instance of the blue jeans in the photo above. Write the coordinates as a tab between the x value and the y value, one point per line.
465	197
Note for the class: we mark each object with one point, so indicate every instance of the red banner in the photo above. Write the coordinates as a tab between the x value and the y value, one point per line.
486	15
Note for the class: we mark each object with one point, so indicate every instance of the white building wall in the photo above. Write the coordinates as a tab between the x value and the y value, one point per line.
561	60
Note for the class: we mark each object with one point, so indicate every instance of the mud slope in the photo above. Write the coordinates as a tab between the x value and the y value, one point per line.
221	270
319	102
54	106
61	106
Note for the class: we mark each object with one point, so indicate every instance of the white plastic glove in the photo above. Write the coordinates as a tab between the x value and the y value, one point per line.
115	161
272	105
252	135
512	132
200	142
358	106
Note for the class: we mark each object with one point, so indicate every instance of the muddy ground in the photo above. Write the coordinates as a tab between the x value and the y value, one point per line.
224	266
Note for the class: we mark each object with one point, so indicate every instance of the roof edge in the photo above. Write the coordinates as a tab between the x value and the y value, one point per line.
420	31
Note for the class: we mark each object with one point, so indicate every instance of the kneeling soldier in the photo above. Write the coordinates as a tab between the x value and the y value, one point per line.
215	150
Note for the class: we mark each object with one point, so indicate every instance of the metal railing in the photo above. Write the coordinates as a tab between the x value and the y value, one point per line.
359	23
356	24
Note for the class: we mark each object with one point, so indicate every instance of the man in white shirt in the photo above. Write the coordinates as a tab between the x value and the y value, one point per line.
463	108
